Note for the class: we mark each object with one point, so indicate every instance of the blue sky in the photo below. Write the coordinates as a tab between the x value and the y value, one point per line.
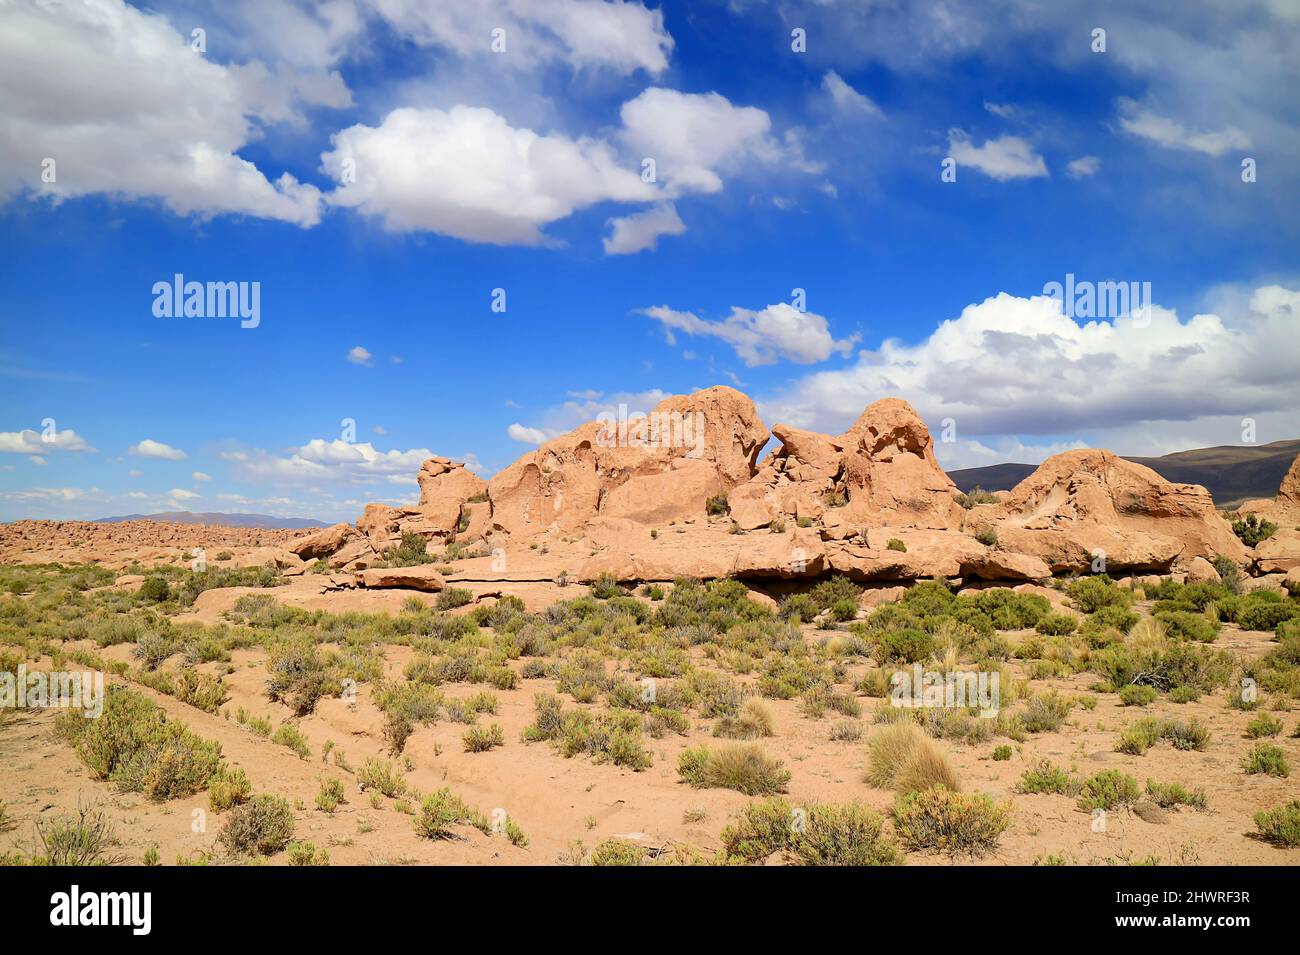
379	170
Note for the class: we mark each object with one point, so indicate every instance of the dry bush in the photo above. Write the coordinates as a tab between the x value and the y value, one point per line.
901	756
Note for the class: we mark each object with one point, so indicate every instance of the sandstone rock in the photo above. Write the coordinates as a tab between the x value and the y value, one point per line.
874	597
1201	571
325	542
1279	553
421	577
1080	505
445	487
702	445
997	564
381	523
356	555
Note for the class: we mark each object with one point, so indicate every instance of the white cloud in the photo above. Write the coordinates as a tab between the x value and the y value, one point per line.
116	97
846	98
1083	167
180	494
761	337
38	460
619	35
467	173
1009	367
519	432
201	476
28	441
359	356
1004	158
322	461
148	448
1004	110
692	137
1141	121
641	230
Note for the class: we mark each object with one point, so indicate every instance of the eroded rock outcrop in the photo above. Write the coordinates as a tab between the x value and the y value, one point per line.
651	470
1084	507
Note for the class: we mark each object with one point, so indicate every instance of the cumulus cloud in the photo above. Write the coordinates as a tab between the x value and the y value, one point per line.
519	432
1141	121
359	355
32	442
1011	366
322	461
181	494
846	98
1083	167
641	230
148	448
122	105
467	173
1004	158
201	476
620	35
760	337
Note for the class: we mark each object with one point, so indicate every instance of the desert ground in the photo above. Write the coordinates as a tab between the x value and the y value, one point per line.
633	655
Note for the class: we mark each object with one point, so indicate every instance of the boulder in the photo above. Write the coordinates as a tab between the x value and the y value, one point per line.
324	543
445	487
1279	553
1201	571
421	577
382	525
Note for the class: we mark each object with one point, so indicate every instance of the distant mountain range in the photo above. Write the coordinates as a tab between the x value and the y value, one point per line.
224	520
1230	473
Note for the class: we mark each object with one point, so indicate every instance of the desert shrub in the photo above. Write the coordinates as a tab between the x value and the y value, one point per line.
330	794
1184	694
1109	789
1280	825
1056	625
843	835
1186	625
901	756
292	737
1170	795
743	767
154	590
1090	594
1112	615
976	496
1045	712
1258	613
1268	760
752	722
988	536
1190	735
298	677
948	821
453	597
440	811
846	731
136	746
1251	530
1136	695
1001	753
228	787
382	776
617	852
1262	726
1045	778
480	739
904	646
306	854
152	649
717	505
84	838
264	825
397	730
895	544
1139	737
199	690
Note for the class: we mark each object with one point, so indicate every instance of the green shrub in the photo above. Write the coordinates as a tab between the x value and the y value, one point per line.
479	739
1109	789
306	854
743	767
1057	625
1001	753
439	812
330	795
976	496
1045	712
617	852
85	838
1185	625
1267	759
453	597
988	536
292	737
1044	778
383	776
229	787
263	825
1262	726
1280	825
895	544
1135	695
717	505
1170	795
901	756
1251	530
155	590
952	822
1090	594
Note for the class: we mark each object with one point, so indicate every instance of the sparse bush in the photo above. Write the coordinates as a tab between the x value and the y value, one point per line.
988	536
752	722
85	838
717	505
439	812
1251	530
1045	712
1262	726
382	776
453	597
480	739
901	756
1135	695
1109	789
743	767
948	821
154	590
1057	625
1171	795
228	788
1280	825
1267	759
264	825
1001	753
306	854
330	795
292	737
976	496
895	544
1044	778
